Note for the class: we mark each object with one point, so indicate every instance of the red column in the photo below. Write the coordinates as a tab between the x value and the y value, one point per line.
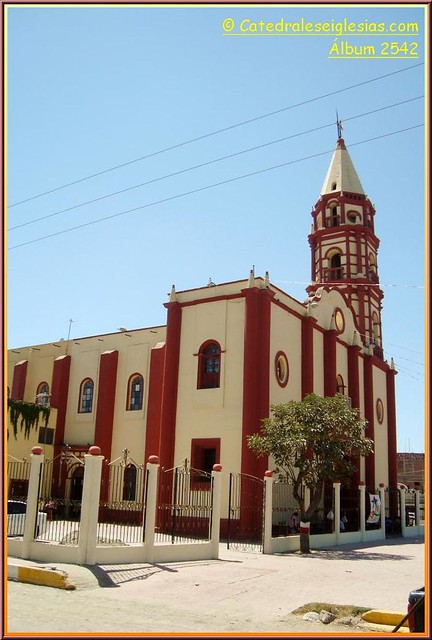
391	439
19	380
307	360
330	373
353	375
256	369
154	406
369	416
59	395
104	423
354	394
170	385
59	401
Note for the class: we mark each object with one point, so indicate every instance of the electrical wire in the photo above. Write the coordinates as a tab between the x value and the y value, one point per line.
211	186
204	164
213	133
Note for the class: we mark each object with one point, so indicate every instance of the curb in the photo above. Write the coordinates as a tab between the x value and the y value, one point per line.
388	618
40	575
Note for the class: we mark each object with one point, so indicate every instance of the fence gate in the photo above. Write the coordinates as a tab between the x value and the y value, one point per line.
184	505
392	512
245	512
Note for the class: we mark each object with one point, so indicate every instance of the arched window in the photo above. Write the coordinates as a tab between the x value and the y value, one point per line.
42	393
376	328
335	272
86	396
135	392
209	365
340	385
129	482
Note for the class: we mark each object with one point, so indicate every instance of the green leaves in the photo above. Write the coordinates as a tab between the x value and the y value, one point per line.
314	440
27	414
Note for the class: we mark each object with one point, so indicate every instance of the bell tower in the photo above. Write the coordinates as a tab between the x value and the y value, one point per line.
344	246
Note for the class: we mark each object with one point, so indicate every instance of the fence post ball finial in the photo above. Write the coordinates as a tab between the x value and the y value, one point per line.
153	459
94	451
37	451
268	473
217	467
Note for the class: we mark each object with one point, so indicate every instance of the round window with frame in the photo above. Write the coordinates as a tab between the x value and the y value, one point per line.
380	411
339	320
281	369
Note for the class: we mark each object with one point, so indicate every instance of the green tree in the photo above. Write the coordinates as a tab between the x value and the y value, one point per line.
312	441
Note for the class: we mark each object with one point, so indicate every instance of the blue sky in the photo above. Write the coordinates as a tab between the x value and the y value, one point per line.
91	88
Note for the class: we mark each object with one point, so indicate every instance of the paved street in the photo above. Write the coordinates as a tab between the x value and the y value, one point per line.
242	592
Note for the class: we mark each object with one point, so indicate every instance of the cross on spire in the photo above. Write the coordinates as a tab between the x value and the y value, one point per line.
339	126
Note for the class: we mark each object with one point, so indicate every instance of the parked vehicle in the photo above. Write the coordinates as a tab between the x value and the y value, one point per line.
17	512
416	605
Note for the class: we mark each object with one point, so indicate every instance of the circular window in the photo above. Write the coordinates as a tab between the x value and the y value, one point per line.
281	369
339	320
380	410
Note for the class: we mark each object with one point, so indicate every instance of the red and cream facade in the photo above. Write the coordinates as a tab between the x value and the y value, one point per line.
195	388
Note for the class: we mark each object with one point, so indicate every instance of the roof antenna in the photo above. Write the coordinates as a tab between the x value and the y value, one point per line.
339	126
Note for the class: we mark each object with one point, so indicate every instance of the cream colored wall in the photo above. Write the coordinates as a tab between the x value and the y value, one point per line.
134	349
212	413
134	357
342	364
130	426
381	439
80	427
39	369
286	337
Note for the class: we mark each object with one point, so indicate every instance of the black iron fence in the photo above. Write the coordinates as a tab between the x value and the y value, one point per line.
122	504
285	510
245	512
184	505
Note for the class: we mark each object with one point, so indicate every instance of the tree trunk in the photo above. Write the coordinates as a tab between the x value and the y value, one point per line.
304	542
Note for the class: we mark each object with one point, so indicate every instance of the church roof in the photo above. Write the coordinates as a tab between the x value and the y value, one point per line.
341	174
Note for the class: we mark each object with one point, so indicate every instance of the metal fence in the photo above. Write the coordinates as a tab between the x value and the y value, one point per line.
184	505
285	510
410	508
18	479
62	513
350	508
122	504
392	512
245	512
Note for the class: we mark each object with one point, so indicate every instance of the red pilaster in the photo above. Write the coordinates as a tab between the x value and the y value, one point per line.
59	400
391	436
369	416
255	373
330	386
170	385
354	394
154	406
353	375
106	389
19	380
307	360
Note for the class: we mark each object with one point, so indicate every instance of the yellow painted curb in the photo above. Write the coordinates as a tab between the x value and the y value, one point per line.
384	617
384	628
45	577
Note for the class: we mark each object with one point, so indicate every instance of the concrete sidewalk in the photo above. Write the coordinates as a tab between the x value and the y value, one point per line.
260	589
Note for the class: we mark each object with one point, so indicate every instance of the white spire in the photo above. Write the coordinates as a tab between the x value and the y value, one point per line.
341	174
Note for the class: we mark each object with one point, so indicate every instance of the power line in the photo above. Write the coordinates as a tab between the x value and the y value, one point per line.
204	164
213	133
210	186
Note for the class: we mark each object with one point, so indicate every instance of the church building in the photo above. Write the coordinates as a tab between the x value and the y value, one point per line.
195	388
